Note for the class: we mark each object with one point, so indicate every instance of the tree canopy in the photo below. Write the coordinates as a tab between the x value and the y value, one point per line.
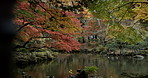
63	22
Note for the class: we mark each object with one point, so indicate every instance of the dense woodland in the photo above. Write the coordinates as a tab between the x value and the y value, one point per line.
102	26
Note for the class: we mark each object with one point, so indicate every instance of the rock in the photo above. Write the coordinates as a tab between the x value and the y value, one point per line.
49	76
81	74
138	56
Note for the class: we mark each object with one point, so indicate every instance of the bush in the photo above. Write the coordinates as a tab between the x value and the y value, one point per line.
91	69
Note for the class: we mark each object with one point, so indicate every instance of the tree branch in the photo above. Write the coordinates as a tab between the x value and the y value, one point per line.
23	46
131	3
49	12
24	26
123	15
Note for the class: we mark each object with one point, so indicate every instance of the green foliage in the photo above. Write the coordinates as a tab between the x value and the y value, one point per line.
105	9
42	50
143	44
22	50
91	69
25	13
125	34
115	11
144	23
101	48
119	9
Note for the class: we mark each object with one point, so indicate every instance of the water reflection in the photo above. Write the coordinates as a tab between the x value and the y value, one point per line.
109	67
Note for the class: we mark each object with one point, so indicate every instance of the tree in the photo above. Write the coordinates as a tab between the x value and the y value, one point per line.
125	34
35	19
117	14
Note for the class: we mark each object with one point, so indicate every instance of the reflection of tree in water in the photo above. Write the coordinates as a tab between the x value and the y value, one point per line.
107	67
129	65
133	75
35	71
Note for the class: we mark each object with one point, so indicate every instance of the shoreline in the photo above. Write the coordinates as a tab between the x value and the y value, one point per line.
29	58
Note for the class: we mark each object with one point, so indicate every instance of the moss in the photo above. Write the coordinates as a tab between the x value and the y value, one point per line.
34	57
22	50
39	54
43	50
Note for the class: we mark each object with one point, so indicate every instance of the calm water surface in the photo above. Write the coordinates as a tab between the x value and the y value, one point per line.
108	67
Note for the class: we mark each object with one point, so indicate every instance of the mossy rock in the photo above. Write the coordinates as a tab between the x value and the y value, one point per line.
50	55
39	54
34	57
54	54
24	50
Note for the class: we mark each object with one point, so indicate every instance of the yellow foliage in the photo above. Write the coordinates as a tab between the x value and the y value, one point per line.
141	11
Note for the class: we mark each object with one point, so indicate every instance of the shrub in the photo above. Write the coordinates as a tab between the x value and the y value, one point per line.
91	69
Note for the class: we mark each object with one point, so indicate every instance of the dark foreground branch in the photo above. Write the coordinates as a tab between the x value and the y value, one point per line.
131	3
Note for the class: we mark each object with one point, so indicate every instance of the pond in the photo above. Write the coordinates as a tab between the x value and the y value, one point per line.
108	67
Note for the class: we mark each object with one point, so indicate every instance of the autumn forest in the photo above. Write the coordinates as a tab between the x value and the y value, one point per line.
47	29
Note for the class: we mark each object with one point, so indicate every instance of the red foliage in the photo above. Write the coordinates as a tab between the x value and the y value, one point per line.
23	5
47	20
74	18
63	42
28	32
